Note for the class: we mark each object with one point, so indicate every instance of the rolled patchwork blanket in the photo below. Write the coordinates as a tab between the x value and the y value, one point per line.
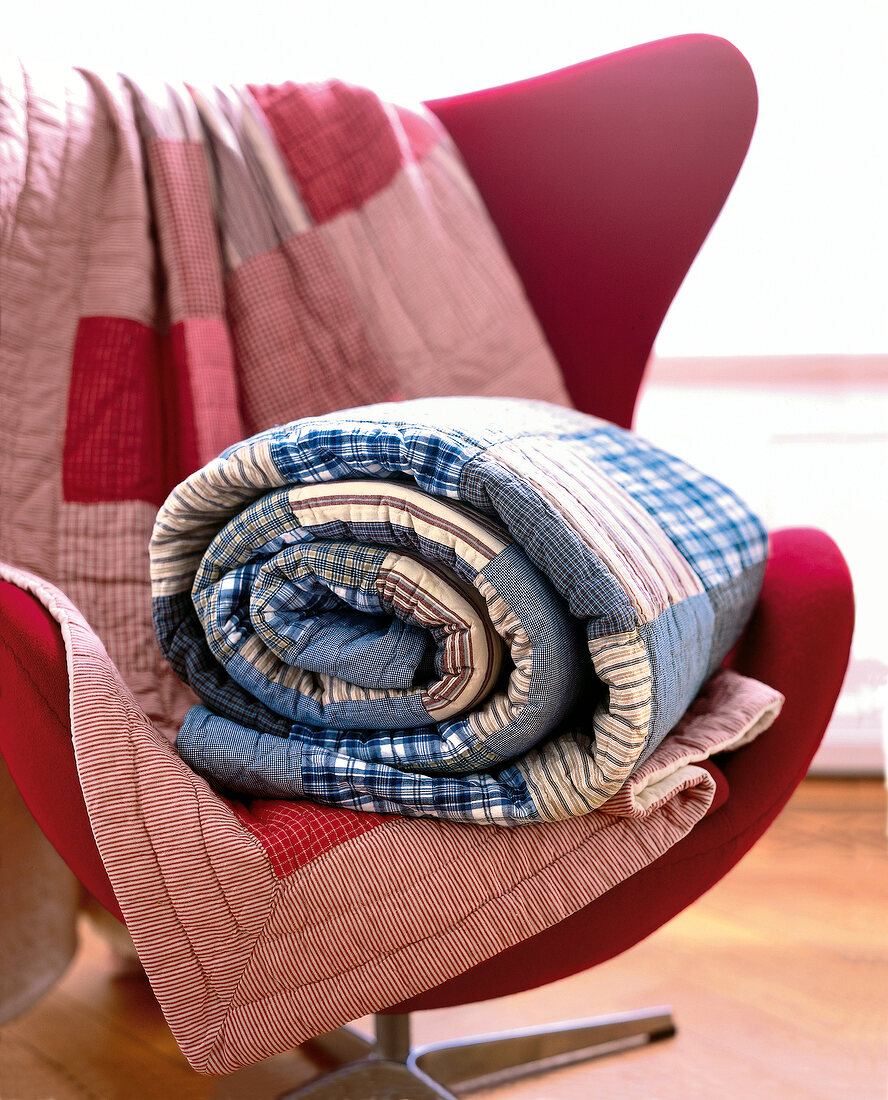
479	609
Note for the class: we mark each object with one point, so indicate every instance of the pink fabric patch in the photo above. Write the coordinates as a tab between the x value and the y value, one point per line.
204	377
186	227
336	139
295	833
302	345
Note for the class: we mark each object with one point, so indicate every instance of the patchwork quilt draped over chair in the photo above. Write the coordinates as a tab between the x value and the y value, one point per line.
184	269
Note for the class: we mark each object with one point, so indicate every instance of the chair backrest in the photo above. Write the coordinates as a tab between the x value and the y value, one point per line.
604	180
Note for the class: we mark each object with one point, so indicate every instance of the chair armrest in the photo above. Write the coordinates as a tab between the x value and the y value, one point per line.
798	641
35	735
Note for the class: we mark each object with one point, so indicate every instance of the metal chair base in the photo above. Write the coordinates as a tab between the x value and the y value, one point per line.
390	1069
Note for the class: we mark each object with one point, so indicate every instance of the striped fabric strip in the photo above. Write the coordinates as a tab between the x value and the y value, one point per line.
628	539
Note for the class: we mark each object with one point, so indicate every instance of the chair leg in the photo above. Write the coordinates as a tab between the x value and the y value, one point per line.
371	1080
488	1059
335	1049
391	1070
375	1071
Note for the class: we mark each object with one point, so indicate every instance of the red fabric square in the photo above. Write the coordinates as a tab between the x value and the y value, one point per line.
336	140
294	833
113	435
201	370
130	432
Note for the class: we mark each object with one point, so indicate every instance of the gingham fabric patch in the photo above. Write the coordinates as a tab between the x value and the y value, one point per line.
425	608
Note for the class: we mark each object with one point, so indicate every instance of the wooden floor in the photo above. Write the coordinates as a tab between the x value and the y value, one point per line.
778	978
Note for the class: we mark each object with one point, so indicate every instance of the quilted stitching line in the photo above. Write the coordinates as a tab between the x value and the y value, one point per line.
15	454
277	894
224	1003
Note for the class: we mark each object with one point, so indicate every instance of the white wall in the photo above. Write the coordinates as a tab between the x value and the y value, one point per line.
803	449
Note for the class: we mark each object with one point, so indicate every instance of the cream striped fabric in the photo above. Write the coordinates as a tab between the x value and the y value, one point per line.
629	540
503	707
201	505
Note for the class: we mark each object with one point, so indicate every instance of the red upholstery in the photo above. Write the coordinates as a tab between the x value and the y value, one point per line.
35	735
604	180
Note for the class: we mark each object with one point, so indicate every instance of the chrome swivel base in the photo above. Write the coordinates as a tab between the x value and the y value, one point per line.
390	1069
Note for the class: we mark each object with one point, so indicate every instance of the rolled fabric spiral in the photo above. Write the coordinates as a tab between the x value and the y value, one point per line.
480	609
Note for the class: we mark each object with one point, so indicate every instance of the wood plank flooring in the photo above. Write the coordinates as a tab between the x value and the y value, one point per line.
778	978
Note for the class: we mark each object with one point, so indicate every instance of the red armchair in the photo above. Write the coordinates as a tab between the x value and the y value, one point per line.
603	179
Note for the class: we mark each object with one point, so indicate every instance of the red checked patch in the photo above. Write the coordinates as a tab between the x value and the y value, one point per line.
338	142
130	428
295	833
